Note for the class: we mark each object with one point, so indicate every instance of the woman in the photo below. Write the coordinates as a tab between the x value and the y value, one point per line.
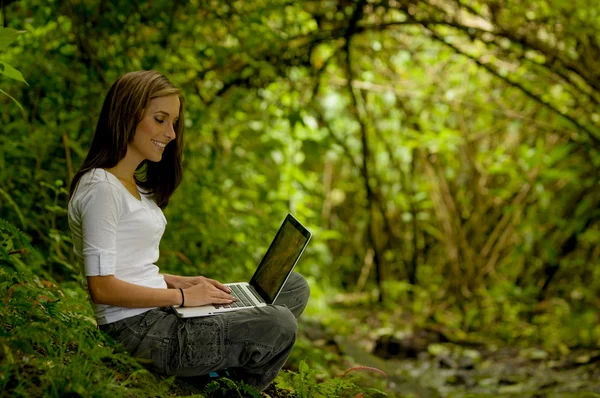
116	219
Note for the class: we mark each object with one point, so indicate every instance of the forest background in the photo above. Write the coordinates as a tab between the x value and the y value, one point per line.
444	153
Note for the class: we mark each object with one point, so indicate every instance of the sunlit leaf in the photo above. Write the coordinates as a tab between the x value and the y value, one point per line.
7	36
11	72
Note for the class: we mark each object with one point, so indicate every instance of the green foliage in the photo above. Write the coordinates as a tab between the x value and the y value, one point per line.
49	341
9	233
474	125
50	345
304	384
7	36
224	387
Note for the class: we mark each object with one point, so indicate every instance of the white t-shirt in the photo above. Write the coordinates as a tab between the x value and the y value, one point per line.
114	233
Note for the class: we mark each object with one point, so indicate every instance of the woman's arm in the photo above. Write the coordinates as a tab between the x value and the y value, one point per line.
177	281
112	291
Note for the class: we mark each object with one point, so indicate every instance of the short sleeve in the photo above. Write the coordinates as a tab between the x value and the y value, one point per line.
100	211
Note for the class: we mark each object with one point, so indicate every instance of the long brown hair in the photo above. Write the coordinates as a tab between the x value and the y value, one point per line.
124	107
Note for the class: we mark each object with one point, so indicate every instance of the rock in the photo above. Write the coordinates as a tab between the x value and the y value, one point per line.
534	354
447	363
456	380
466	363
389	347
506	381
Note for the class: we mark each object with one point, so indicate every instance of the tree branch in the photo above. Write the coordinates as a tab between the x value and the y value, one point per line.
526	91
350	31
477	33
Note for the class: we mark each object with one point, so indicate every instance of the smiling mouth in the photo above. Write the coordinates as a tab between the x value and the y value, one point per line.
159	144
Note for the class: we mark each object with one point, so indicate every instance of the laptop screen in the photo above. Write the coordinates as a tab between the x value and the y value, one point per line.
280	259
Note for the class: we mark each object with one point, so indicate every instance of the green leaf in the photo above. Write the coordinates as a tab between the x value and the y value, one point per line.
11	72
11	202
9	96
7	36
4	253
303	367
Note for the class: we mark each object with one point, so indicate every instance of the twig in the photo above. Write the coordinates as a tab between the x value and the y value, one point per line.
369	369
18	251
522	88
65	139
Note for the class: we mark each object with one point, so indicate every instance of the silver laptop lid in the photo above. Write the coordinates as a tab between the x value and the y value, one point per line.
280	259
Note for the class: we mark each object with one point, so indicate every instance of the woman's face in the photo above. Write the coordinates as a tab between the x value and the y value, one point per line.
156	129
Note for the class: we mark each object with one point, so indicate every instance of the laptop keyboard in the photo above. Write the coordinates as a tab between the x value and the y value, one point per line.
243	300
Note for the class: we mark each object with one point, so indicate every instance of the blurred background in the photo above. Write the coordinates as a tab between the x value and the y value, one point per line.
444	153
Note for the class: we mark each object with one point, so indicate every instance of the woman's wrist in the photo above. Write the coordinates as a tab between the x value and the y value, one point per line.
176	297
172	281
182	298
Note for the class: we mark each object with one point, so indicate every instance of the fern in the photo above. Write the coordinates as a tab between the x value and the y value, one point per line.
15	207
248	391
225	387
212	387
4	253
17	234
228	386
305	384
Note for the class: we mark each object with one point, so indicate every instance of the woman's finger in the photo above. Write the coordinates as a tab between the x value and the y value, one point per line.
219	285
212	292
223	295
221	301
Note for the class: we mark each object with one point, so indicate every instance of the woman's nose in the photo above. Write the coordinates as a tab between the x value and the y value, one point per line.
171	132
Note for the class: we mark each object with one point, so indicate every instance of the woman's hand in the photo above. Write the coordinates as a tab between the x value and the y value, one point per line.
188	281
202	291
183	282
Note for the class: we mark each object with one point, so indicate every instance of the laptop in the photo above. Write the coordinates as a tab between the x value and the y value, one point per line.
268	279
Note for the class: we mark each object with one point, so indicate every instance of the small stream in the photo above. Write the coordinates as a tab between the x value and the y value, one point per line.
453	370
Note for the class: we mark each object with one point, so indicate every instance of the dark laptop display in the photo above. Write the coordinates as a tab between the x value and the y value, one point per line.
280	259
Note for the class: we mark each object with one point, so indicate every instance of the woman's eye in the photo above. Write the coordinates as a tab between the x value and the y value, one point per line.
159	121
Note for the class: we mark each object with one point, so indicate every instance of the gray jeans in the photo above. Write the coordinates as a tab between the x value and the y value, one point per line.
254	342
